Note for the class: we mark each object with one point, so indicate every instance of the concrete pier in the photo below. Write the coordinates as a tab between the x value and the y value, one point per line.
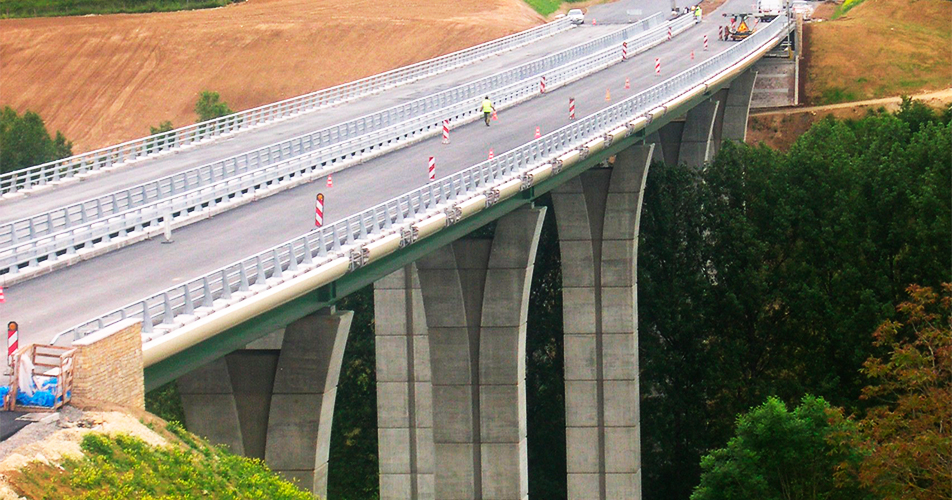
598	215
475	292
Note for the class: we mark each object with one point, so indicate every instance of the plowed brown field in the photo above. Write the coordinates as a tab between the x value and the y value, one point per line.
105	79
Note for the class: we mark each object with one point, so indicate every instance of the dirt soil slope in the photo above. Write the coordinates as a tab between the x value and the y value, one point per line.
105	79
877	49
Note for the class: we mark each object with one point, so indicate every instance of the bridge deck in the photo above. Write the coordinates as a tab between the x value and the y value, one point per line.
49	304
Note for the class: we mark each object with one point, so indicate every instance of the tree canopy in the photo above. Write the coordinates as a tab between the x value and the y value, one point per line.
25	142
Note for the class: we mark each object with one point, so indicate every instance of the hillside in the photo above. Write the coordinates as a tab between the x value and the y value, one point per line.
879	48
105	79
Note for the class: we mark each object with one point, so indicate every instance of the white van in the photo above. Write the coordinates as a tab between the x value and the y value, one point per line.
576	16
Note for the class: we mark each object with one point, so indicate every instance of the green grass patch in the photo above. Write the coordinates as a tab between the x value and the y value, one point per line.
52	8
546	7
836	95
124	467
845	7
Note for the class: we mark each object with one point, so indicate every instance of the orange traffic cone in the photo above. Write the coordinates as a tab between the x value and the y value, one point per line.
495	118
538	133
490	154
627	84
330	181
692	55
608	95
593	21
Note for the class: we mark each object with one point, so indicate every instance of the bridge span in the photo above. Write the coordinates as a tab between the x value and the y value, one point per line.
239	308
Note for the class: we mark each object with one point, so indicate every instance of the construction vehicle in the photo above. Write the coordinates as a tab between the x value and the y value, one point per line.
740	27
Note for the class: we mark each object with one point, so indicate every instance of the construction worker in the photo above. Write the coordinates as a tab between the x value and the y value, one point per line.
488	108
697	14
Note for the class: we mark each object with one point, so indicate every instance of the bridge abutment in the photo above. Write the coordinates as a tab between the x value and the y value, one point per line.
404	391
598	215
476	293
275	400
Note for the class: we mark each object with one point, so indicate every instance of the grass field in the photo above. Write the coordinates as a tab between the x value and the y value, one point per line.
52	8
546	7
879	48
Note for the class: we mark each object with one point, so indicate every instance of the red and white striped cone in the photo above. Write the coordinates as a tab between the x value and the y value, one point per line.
705	42
330	181
692	55
13	341
538	133
657	66
495	118
431	168
593	22
627	84
571	108
490	154
319	210
446	131
2	298
624	51
542	85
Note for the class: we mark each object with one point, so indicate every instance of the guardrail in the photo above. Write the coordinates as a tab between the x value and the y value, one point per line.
116	215
336	249
99	159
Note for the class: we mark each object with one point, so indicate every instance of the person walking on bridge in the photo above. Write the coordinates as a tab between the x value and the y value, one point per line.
488	108
697	14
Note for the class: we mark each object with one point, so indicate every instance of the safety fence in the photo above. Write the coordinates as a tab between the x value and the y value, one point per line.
372	234
61	233
137	149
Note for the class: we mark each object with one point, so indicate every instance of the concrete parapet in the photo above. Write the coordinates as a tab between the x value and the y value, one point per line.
475	292
598	215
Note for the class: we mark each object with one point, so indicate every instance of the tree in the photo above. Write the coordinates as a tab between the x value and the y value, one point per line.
163	127
25	142
210	106
778	454
907	439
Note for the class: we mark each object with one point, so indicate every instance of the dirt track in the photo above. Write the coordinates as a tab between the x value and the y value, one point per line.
105	79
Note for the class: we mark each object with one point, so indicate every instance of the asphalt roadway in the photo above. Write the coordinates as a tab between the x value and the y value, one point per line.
49	304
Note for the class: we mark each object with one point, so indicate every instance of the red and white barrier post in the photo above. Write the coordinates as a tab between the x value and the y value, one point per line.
319	210
542	85
446	131
657	66
705	42
624	51
431	169
669	33
571	108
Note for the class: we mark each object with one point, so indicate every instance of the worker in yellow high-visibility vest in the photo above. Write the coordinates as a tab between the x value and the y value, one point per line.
488	108
697	13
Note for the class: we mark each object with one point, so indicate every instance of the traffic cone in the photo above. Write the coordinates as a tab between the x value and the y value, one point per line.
608	95
692	55
627	84
495	118
330	181
538	133
490	154
593	21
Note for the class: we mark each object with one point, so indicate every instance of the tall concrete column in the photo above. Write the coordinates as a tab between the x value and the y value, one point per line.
598	215
737	107
698	141
302	401
404	393
476	293
275	399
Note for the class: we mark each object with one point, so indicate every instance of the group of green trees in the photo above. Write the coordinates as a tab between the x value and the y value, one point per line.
775	363
24	141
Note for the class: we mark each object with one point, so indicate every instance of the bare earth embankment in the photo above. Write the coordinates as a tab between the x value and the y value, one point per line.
105	79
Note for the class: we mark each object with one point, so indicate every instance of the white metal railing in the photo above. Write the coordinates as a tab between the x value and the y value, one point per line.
55	171
407	217
64	232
